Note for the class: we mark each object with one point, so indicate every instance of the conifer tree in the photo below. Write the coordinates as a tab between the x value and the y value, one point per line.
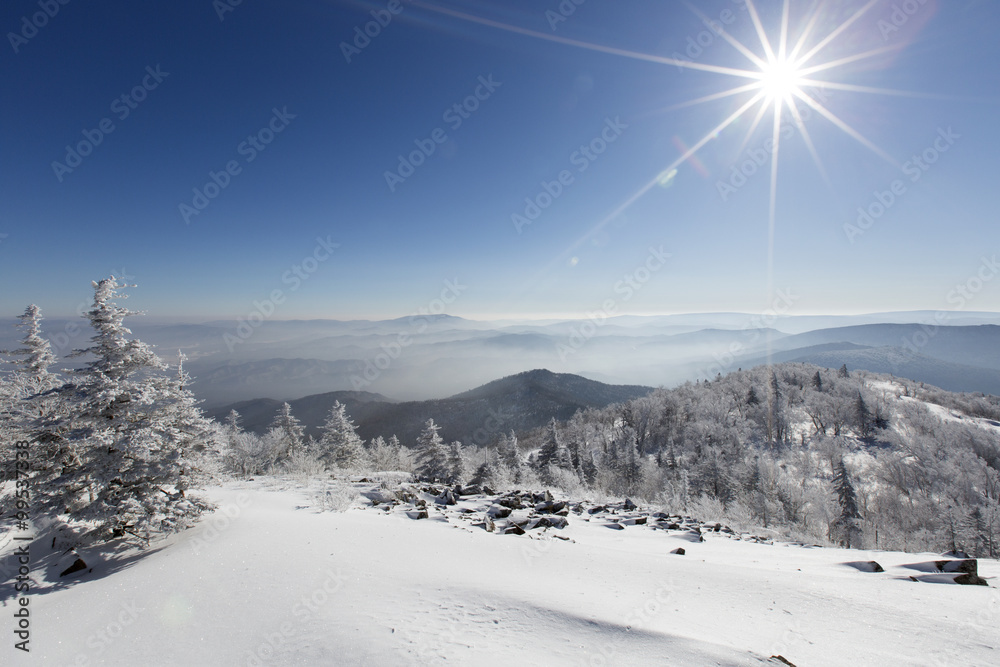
292	432
124	462
552	453
339	442
431	454
848	521
456	464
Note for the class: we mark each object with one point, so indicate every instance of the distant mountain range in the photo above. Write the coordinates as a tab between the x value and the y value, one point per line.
519	402
418	358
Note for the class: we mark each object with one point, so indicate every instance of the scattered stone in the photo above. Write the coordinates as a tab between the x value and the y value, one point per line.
615	526
491	526
597	509
514	530
781	660
679	551
969	569
76	566
417	514
499	511
629	505
446	498
866	566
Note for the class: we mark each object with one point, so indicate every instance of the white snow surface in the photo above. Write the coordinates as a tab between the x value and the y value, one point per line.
272	579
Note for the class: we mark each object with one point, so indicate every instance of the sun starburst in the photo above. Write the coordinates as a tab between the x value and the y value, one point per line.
782	78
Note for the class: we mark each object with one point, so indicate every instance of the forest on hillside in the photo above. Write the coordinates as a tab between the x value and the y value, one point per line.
115	448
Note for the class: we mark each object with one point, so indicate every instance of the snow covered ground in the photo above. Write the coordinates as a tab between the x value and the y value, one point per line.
273	579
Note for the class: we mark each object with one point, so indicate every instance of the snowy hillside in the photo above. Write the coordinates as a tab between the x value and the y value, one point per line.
273	578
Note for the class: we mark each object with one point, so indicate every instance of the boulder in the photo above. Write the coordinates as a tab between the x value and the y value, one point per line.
447	497
499	511
679	551
866	566
615	526
968	569
76	565
490	525
629	505
514	530
417	514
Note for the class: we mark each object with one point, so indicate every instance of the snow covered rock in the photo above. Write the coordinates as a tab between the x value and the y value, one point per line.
70	563
866	566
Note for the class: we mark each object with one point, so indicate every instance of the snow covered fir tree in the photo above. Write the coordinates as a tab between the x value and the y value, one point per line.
119	441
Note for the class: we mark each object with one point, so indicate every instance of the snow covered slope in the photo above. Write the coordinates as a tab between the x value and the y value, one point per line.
272	579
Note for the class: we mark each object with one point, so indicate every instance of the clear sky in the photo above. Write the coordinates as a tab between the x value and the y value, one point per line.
309	115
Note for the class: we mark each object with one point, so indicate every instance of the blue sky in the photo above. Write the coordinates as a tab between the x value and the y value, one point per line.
200	82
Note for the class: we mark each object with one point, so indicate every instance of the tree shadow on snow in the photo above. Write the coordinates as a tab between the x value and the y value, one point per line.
48	561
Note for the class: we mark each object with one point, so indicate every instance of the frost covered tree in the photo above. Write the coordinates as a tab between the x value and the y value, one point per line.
26	400
456	464
510	455
432	455
291	429
492	473
386	455
124	460
182	423
36	355
339	443
552	454
847	522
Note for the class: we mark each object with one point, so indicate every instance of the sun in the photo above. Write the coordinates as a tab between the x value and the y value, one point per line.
781	79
